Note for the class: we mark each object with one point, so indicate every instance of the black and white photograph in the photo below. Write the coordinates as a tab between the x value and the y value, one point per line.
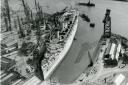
64	42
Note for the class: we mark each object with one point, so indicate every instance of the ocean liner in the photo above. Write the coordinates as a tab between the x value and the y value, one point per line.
59	42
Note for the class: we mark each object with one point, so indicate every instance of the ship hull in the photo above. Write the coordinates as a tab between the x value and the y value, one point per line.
64	52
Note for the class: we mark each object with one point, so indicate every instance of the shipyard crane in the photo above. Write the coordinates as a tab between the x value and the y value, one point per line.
39	13
26	10
107	24
6	14
36	5
22	35
5	19
28	14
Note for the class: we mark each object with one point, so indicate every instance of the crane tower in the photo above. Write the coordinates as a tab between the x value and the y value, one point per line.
107	24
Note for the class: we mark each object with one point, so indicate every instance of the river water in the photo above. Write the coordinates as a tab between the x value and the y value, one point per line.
76	60
68	70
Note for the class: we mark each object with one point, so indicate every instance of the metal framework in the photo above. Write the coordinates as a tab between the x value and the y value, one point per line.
107	24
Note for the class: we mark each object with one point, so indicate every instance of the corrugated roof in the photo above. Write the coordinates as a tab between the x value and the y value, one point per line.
119	79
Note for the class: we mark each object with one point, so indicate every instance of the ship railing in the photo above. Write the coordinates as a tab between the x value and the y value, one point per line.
50	62
70	28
